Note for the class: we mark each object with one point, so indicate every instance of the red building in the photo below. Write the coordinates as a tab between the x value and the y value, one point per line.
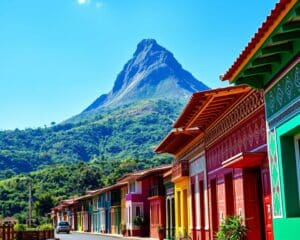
222	134
145	199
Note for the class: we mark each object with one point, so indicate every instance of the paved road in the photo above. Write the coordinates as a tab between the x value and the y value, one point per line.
82	236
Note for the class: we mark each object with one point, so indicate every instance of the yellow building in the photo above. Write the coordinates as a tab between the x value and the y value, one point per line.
182	203
123	205
173	144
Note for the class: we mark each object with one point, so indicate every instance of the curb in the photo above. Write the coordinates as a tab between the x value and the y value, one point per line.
116	236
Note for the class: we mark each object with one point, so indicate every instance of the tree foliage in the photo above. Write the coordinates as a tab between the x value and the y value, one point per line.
87	152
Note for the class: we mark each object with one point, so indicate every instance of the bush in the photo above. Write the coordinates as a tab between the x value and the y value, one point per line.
45	227
232	228
139	221
19	227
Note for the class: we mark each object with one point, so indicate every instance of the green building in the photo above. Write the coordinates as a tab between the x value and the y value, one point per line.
271	61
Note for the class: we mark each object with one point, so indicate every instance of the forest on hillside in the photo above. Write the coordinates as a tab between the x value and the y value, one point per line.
67	159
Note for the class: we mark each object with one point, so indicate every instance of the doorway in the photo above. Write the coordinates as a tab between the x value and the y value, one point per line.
202	209
254	213
214	208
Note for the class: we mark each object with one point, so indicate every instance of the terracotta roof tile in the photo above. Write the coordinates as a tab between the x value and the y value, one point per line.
275	13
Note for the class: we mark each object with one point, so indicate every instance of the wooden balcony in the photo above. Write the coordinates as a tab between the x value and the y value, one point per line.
180	169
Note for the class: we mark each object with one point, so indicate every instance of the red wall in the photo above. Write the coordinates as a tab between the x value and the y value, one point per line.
244	190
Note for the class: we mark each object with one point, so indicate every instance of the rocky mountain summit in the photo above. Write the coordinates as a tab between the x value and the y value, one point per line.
152	73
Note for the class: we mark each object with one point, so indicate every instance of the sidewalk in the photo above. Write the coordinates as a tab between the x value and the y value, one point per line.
116	236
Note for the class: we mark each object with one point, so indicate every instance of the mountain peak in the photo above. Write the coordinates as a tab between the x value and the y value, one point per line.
147	42
146	45
151	73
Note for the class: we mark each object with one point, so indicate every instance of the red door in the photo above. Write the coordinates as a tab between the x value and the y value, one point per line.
267	202
214	207
194	212
253	204
229	195
202	213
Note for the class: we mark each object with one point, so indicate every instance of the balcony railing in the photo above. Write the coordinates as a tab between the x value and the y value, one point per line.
180	169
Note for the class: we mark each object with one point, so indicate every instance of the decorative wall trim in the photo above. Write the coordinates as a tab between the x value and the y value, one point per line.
275	175
251	103
285	115
284	90
244	137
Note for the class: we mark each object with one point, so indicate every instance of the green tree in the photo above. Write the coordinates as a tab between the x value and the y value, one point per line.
43	204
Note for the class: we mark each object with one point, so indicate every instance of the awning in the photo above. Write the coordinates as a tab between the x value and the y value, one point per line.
207	106
245	160
176	140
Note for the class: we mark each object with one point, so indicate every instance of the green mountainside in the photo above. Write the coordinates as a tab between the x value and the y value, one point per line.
100	150
127	132
116	134
57	182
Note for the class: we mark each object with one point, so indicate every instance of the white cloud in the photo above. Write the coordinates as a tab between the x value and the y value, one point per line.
81	2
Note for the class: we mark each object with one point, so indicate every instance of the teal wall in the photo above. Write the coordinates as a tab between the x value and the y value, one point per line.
283	117
287	163
286	228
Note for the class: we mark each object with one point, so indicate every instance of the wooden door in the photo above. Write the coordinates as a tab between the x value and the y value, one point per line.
184	211
253	204
267	203
229	195
214	206
202	209
193	212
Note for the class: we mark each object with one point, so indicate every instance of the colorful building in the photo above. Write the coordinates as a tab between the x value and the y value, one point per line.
271	62
66	210
96	215
142	185
180	179
84	215
156	198
170	205
115	211
124	191
180	173
220	138
107	209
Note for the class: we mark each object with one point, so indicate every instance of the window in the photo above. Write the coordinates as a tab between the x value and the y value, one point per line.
138	211
297	152
132	187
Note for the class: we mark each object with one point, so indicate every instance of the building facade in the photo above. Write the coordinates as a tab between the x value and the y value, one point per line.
220	136
271	62
170	205
144	199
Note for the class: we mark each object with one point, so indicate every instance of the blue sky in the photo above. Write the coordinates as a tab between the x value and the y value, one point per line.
57	56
